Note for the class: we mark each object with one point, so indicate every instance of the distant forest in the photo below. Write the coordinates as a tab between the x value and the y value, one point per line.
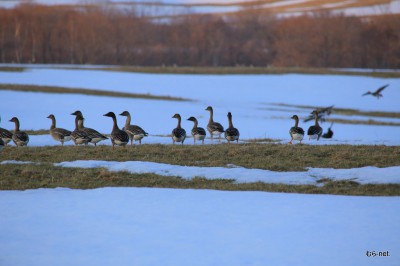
94	35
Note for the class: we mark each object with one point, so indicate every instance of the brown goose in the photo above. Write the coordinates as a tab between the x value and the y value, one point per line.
118	136
20	138
296	132
134	132
5	135
178	133
214	128
315	131
94	135
78	136
231	133
198	133
58	134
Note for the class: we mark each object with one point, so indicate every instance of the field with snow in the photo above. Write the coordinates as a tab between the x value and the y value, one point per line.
148	226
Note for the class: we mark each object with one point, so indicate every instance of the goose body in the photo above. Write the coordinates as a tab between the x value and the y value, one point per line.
20	138
134	132
79	136
213	127
58	134
5	135
296	132
1	144
328	134
315	131
118	136
178	133
198	133
231	133
93	134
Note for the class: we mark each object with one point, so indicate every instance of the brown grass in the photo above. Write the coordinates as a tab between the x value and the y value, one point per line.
243	70
276	157
21	177
53	89
12	69
344	111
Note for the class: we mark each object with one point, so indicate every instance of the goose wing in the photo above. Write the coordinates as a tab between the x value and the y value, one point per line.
314	130
199	131
232	132
179	132
119	136
215	126
5	134
381	88
135	130
296	130
93	134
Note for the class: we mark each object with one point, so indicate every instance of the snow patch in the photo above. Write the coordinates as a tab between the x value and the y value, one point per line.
363	175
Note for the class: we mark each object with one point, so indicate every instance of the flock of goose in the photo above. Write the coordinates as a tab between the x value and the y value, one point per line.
121	137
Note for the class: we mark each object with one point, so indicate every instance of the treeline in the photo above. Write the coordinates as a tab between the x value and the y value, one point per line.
94	35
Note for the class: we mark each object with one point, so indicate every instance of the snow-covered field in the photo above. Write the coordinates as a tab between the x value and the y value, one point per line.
252	100
148	226
143	226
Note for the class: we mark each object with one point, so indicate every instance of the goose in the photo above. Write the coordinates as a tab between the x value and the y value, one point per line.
94	135
118	136
178	134
134	132
328	134
296	132
198	133
20	138
231	133
79	136
58	134
315	131
1	144
214	128
5	135
376	93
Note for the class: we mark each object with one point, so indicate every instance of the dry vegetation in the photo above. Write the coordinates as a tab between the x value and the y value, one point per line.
53	89
344	112
264	156
276	157
21	177
247	70
95	35
273	157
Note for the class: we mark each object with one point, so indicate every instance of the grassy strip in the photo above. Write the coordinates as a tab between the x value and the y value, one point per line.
362	122
276	157
12	69
242	70
345	111
53	89
37	132
21	177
